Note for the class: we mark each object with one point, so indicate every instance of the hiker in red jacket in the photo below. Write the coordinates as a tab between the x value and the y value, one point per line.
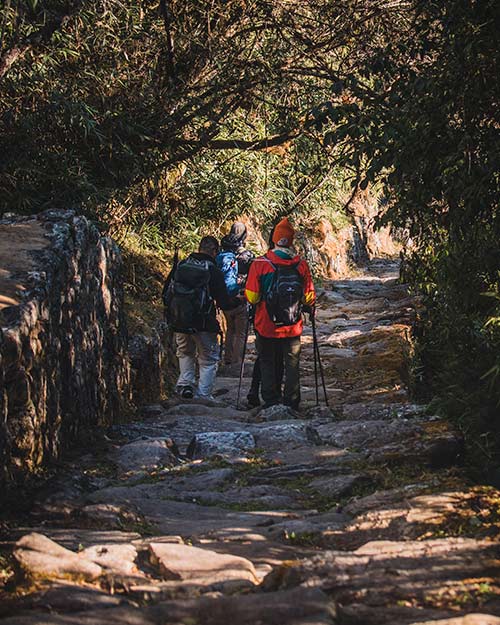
279	284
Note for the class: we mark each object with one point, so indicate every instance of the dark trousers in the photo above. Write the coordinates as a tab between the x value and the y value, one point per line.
275	354
254	391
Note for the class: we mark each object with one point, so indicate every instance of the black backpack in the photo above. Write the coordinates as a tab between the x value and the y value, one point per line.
284	296
188	302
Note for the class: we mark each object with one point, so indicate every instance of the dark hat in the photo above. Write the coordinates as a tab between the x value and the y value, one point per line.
238	230
230	242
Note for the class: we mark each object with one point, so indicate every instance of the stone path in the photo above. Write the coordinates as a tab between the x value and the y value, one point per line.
358	514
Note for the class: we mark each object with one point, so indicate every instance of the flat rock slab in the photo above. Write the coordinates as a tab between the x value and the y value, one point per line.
192	479
308	528
258	497
403	517
318	461
297	607
405	440
339	485
438	451
367	434
200	410
383	499
145	455
468	619
40	557
360	614
186	563
65	597
309	607
232	444
124	615
363	411
106	515
391	573
158	503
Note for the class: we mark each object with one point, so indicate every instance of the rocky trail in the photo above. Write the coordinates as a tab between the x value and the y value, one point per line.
357	514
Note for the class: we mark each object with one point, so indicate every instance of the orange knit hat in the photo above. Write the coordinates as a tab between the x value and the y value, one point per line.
283	233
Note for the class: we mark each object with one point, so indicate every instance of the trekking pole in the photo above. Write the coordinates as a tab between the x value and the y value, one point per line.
316	386
221	346
242	365
320	364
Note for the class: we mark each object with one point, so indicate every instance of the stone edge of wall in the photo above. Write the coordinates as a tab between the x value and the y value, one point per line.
64	366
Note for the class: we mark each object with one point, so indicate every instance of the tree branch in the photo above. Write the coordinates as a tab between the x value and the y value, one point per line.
240	144
167	20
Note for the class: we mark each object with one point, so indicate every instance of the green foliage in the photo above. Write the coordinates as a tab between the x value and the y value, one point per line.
275	108
99	115
422	118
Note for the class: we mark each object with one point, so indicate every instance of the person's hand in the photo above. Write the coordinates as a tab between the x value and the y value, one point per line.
310	310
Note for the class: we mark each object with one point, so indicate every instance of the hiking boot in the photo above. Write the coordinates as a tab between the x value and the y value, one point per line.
186	392
253	401
205	397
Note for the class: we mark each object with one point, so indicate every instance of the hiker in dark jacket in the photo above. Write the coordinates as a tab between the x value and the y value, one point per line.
198	342
235	260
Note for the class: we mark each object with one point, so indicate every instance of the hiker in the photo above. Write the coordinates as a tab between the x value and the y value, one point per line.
234	261
253	396
279	284
195	289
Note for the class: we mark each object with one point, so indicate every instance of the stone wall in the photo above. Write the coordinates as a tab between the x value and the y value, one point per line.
64	367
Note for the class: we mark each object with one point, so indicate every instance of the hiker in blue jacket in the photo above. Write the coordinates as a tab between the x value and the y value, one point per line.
234	261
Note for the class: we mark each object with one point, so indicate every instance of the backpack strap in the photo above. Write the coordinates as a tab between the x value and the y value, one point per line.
294	266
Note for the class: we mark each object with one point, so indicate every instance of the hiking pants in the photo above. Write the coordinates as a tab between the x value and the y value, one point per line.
273	353
204	348
254	390
236	322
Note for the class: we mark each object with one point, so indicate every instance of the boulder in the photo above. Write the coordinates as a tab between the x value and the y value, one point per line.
206	444
114	559
41	557
186	563
145	455
279	412
284	435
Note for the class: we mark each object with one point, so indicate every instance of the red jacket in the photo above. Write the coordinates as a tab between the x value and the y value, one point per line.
255	290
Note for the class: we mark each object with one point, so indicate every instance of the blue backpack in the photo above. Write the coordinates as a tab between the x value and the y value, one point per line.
227	263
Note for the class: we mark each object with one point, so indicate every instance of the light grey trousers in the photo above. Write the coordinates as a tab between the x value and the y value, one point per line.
204	348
